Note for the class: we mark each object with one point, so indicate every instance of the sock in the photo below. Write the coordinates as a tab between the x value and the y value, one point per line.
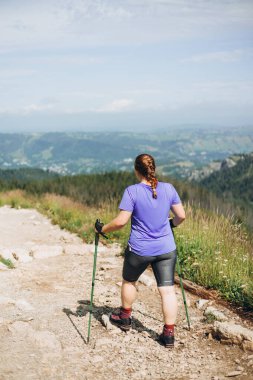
125	313
168	329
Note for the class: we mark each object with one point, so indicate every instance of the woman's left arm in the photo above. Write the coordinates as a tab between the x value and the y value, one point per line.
117	223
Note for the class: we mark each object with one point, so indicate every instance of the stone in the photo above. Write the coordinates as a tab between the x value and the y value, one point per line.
2	321
46	340
96	359
146	280
45	251
6	300
106	322
247	345
23	329
24	305
216	314
103	342
22	255
234	373
201	303
233	334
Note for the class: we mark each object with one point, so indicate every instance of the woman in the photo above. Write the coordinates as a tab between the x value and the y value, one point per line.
151	241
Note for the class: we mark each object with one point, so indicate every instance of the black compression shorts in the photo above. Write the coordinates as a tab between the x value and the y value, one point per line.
163	267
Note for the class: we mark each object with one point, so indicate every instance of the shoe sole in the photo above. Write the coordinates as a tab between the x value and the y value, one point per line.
169	345
122	327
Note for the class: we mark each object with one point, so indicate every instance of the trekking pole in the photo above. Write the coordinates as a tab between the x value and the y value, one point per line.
93	282
183	293
93	278
181	281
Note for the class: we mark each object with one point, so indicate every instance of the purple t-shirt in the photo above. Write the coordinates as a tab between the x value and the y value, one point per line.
151	234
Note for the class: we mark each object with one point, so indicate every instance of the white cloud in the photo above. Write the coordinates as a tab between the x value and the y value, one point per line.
27	110
217	56
14	73
118	105
34	24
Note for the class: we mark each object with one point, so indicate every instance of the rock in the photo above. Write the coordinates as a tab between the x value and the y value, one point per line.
232	333
210	337
106	322
238	368
103	342
22	255
200	304
2	321
46	340
216	314
234	373
247	345
146	280
23	329
96	359
45	251
6	301
23	305
227	163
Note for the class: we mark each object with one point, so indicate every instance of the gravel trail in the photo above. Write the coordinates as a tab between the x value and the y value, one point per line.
44	315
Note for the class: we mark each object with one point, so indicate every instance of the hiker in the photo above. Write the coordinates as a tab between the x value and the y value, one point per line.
151	241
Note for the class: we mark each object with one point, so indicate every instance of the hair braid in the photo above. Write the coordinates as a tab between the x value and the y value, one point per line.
145	165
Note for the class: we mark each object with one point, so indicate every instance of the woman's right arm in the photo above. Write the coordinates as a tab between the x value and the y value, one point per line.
179	214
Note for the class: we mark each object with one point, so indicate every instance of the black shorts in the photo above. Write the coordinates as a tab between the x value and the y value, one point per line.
163	267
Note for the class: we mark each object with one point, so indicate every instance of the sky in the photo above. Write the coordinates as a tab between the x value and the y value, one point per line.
125	65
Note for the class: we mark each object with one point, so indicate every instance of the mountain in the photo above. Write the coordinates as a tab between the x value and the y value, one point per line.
234	180
178	153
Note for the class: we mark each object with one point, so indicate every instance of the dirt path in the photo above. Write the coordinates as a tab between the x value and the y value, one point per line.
44	319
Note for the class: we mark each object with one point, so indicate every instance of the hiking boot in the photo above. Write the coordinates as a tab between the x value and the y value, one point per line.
123	323
167	340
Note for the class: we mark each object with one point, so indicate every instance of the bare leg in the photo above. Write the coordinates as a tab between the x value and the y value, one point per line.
128	294
169	304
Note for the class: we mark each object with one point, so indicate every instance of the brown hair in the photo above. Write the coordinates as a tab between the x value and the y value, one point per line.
145	165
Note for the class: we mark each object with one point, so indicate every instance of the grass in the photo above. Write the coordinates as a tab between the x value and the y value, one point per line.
213	250
6	262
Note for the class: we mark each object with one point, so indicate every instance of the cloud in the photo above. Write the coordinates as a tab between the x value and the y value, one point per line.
76	23
27	110
14	73
118	105
217	56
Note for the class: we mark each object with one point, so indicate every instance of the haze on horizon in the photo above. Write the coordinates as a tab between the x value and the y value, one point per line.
125	65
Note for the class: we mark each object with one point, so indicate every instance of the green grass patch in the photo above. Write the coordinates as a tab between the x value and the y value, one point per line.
7	262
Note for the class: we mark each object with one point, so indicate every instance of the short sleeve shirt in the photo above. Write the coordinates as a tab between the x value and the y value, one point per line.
151	234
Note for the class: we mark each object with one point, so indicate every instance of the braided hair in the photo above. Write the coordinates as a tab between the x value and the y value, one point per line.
145	165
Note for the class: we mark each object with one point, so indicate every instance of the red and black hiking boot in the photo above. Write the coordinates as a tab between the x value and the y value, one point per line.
122	319
167	337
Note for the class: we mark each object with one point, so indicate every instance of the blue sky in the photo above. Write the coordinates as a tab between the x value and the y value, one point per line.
132	64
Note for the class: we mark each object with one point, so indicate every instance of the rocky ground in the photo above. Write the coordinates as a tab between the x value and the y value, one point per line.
44	316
